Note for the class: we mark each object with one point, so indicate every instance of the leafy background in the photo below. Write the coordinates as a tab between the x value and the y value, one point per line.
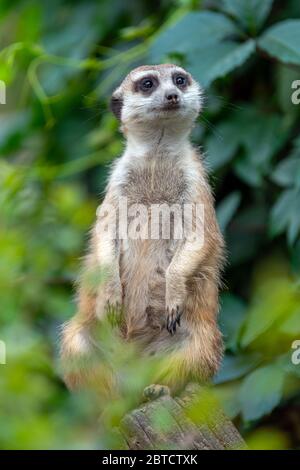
60	61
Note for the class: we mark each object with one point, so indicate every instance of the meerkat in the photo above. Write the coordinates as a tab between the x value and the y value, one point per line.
167	288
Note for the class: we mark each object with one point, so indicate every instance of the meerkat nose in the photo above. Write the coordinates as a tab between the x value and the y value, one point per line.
172	97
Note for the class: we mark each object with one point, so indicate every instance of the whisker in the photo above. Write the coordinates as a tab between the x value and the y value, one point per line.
211	127
227	104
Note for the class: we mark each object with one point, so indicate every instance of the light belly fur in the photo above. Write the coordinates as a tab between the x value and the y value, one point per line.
143	263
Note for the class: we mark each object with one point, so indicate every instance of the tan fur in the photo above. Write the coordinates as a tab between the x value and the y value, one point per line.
152	278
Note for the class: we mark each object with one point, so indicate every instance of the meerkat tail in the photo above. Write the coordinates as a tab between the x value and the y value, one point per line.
76	350
83	365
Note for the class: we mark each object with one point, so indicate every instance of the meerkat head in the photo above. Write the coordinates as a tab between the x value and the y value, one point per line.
157	95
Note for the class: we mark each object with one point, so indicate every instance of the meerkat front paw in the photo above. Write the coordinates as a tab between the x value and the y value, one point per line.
109	302
154	391
114	307
173	318
175	299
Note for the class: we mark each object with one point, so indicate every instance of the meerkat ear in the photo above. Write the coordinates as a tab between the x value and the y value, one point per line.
116	104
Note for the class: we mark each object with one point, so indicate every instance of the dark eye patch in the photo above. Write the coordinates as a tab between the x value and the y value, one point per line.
181	80
116	105
146	85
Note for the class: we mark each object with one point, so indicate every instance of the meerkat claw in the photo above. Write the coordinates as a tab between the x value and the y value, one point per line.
173	319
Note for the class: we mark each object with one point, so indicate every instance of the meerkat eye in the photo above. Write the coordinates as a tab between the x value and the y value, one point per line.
146	84
180	80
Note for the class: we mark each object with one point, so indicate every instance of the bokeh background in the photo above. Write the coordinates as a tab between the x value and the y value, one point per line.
60	60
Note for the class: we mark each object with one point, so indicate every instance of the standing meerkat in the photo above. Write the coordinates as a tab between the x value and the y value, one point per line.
167	287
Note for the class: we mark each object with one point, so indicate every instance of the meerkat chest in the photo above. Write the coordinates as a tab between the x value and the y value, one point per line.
156	181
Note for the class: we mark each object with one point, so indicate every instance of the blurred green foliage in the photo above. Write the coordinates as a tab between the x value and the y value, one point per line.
60	61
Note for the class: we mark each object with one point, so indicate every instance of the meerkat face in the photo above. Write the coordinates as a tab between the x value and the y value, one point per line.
151	94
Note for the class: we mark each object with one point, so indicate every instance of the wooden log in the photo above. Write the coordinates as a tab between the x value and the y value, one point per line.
193	420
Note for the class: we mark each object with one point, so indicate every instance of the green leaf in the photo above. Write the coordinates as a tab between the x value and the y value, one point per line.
226	395
204	29
232	316
222	145
234	367
207	64
263	129
12	126
208	51
291	326
280	214
243	127
269	134
261	392
251	13
227	209
75	33
283	41
273	301
285	361
294	225
248	172
30	23
285	214
246	231
287	172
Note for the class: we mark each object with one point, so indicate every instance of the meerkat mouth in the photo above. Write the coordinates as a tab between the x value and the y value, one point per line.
171	107
168	107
